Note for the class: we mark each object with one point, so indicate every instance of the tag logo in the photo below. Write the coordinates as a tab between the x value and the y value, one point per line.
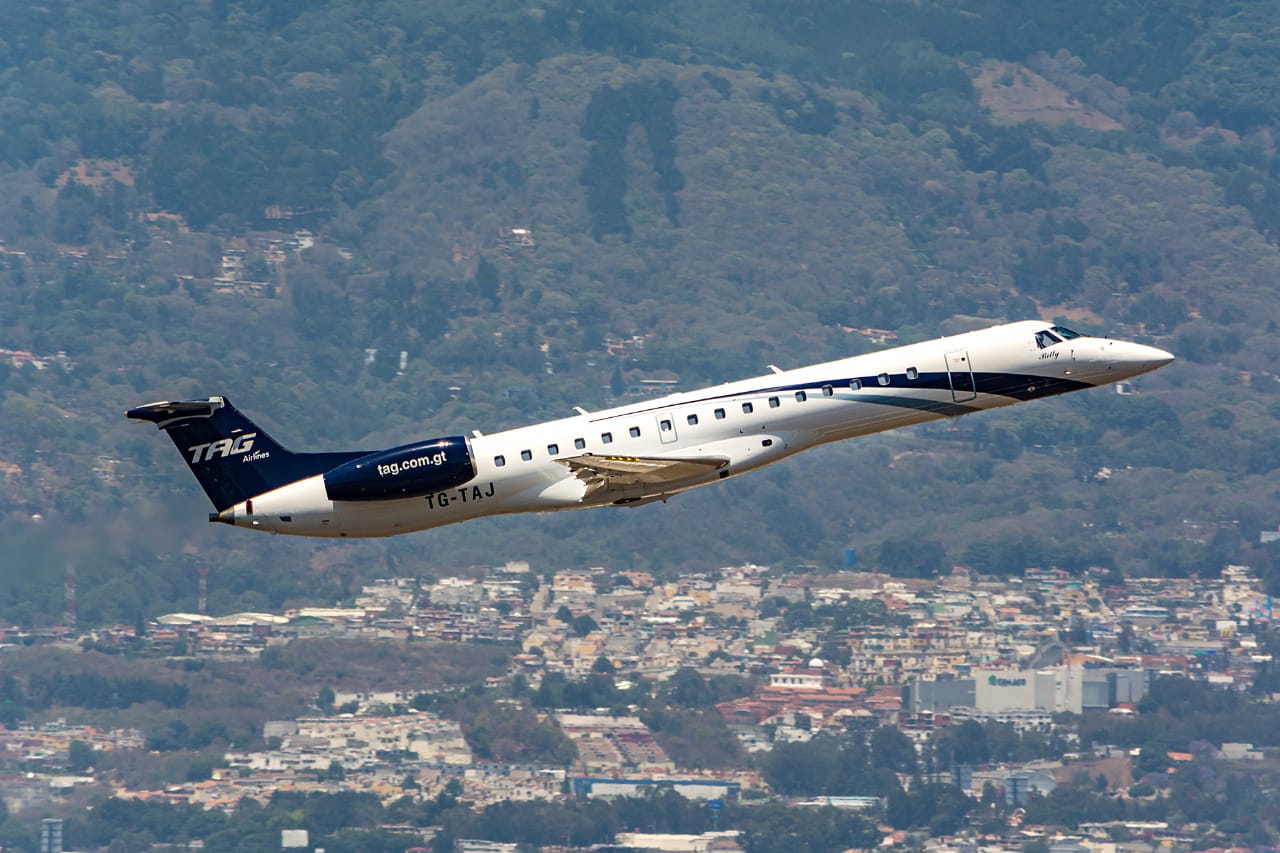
223	447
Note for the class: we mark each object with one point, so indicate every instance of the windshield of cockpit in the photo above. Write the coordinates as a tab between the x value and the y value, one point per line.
1054	335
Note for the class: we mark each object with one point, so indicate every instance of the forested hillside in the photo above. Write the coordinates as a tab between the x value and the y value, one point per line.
540	207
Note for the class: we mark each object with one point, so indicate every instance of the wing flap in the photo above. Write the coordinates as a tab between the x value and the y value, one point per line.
619	473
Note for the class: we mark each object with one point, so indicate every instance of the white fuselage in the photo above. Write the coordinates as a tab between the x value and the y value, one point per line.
748	424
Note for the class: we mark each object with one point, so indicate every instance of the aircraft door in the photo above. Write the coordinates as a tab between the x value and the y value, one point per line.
667	427
960	371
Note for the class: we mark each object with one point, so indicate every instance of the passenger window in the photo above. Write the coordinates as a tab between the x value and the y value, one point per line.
553	449
774	403
883	379
606	438
499	461
827	391
747	408
719	414
664	425
635	432
912	373
801	396
855	384
693	420
526	455
579	443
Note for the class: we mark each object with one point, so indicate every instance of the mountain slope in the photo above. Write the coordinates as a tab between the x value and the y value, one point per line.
550	228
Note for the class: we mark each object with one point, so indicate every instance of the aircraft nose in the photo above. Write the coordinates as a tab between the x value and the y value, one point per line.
1130	359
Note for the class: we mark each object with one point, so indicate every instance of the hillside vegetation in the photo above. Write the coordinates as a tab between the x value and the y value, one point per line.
542	206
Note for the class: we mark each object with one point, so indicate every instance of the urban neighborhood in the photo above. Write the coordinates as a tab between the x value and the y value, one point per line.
822	653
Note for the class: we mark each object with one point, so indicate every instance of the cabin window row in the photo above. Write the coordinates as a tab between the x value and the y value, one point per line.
666	425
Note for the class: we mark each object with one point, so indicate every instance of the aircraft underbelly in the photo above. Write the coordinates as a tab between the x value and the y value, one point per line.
303	509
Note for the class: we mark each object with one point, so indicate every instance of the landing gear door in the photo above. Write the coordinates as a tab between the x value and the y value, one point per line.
961	373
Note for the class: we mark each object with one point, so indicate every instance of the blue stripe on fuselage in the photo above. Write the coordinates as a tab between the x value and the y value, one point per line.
1019	386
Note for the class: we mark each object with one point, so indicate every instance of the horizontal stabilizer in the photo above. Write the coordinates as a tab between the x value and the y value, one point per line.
162	413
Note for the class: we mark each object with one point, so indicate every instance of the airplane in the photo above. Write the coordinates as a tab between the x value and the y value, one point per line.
633	454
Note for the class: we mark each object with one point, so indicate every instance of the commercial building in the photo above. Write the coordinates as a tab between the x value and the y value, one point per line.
992	693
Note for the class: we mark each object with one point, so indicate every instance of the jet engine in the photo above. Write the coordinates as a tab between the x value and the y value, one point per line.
407	471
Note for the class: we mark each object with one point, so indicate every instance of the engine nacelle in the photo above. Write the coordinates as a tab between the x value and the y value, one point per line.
403	472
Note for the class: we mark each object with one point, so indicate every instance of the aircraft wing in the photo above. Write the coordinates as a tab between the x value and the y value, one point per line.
617	473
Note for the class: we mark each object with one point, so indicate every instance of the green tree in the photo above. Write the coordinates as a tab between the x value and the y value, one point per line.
80	756
73	213
603	666
488	280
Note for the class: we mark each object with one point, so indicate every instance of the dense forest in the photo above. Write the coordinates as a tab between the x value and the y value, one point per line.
352	822
539	207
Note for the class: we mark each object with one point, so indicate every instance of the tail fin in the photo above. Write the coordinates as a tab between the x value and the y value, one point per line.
231	457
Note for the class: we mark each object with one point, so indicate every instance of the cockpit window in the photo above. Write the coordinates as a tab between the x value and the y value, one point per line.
1065	333
1047	339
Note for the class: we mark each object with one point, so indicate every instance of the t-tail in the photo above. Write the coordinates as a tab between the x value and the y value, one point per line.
232	457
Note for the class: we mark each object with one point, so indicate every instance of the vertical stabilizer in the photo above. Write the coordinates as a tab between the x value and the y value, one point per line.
230	455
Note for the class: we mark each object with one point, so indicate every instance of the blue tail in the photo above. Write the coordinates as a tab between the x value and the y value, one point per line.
232	458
